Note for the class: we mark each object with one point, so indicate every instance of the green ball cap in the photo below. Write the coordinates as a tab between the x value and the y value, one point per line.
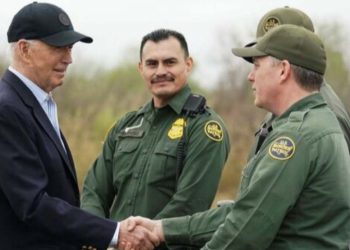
284	15
293	43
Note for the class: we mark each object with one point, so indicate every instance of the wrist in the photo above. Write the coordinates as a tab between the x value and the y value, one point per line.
159	230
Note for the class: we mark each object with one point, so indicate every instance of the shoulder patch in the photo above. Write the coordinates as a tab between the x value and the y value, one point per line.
214	130
282	148
177	129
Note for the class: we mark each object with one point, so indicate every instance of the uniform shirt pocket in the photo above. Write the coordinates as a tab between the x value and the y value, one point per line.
164	158
124	158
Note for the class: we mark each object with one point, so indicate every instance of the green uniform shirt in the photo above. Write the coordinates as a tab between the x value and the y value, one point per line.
135	173
339	110
294	192
334	104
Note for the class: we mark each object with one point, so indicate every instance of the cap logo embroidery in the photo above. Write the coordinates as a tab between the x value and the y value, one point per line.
177	129
64	19
214	130
270	23
282	148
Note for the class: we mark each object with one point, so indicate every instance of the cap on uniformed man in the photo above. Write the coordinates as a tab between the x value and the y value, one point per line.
293	43
280	16
45	22
284	15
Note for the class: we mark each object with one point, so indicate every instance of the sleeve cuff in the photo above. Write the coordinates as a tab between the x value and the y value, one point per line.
176	230
115	237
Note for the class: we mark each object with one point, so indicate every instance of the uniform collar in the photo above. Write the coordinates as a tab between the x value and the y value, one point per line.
176	103
305	104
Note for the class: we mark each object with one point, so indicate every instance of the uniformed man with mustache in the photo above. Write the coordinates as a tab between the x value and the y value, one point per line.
166	158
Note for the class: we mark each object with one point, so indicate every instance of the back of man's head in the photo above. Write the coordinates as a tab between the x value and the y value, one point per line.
285	15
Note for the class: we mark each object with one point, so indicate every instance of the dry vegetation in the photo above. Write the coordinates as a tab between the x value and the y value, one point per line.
89	105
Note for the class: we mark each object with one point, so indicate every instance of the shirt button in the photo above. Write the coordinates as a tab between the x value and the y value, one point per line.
136	175
144	151
129	202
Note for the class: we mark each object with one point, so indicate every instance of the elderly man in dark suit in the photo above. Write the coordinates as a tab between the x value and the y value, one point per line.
39	196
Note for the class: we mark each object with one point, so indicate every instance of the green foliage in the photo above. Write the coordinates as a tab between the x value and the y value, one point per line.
2	67
90	105
337	73
92	100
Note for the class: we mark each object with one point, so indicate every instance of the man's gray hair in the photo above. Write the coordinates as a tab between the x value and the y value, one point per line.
307	79
13	46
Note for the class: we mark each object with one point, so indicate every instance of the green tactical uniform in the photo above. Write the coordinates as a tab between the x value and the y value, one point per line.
136	171
338	108
334	104
288	15
294	192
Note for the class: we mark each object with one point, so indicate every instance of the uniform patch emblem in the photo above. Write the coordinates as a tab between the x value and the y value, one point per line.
282	148
177	129
270	23
214	130
64	19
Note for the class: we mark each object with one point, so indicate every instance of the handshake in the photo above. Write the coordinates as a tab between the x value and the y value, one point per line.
140	233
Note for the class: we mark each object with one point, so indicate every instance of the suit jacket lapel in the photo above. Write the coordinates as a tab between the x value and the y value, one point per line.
46	125
42	119
69	155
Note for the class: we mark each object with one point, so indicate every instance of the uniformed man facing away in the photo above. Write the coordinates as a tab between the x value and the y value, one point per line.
287	15
294	192
165	159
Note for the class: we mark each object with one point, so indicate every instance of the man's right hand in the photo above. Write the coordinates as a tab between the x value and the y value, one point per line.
136	234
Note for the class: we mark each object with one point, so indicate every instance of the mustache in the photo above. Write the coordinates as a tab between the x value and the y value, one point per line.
162	78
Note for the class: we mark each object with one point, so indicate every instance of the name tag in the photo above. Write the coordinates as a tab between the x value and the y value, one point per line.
134	133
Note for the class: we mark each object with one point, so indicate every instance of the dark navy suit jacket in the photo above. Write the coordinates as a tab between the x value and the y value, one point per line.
39	195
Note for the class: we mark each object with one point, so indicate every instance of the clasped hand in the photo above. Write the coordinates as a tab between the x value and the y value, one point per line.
138	233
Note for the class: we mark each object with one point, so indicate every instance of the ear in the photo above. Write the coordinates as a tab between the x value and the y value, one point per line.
140	67
285	70
189	64
23	50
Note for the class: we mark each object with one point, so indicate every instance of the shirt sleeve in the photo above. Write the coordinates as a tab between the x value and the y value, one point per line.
253	220
98	192
345	127
272	191
197	229
115	238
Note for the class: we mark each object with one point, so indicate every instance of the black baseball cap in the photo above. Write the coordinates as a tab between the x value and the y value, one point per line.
45	22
